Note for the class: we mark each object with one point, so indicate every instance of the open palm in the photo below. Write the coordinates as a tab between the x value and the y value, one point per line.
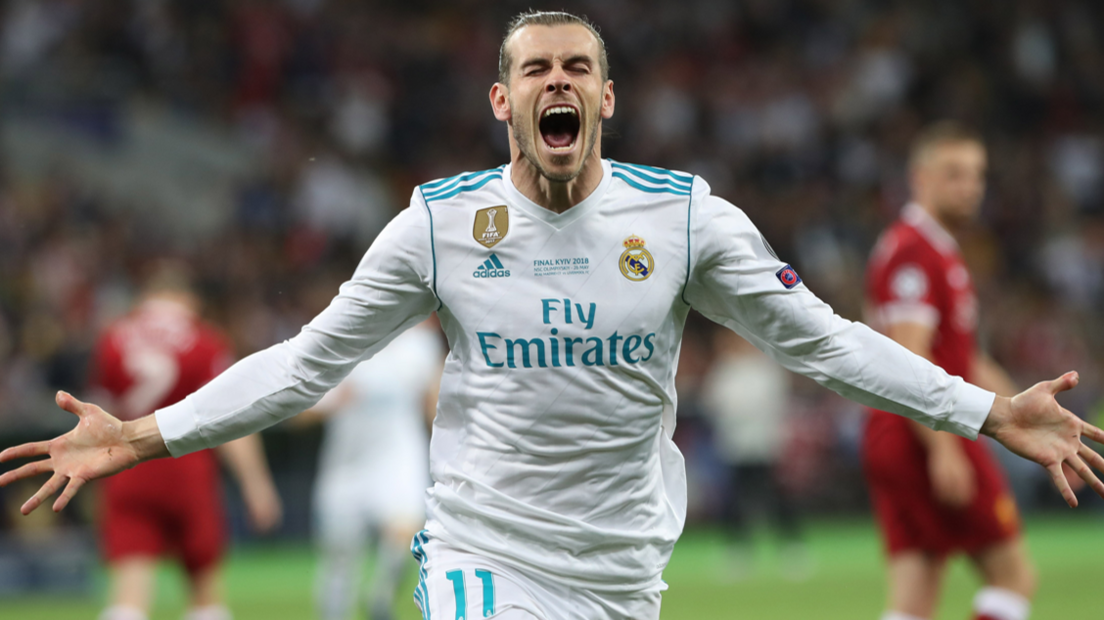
95	448
1037	428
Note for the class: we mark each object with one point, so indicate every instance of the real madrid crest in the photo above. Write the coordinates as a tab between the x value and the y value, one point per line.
491	225
636	263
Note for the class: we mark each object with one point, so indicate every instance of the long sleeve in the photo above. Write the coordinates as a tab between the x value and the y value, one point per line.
736	280
391	290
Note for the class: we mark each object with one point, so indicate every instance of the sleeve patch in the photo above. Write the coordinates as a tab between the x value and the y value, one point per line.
788	277
909	283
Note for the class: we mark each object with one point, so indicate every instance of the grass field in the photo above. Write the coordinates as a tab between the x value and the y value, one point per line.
274	582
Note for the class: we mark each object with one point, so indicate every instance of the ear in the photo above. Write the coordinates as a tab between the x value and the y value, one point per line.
500	101
608	100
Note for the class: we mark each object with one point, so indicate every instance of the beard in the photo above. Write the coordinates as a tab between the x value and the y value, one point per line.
959	215
522	136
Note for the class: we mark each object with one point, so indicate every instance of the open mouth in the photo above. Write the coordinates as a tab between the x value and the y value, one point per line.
559	126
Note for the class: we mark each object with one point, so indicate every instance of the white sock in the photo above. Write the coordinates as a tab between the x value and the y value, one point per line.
210	612
896	615
1001	603
392	561
337	581
123	612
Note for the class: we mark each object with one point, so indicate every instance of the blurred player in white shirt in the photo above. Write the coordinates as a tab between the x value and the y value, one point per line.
374	470
747	397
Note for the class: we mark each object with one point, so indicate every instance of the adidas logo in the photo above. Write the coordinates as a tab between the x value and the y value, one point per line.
491	268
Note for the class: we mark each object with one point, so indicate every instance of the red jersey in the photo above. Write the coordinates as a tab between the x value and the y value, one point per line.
156	356
150	359
916	274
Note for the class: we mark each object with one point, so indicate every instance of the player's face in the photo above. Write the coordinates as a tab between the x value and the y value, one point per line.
952	180
556	98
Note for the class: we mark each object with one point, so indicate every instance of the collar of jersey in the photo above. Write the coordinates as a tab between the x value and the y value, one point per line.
553	219
932	230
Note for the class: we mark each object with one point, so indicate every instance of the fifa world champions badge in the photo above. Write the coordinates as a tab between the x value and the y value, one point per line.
491	225
636	262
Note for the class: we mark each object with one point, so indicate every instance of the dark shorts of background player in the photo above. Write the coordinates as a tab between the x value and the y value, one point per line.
165	507
896	468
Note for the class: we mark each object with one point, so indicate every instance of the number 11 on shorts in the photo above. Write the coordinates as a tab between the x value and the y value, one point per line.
457	579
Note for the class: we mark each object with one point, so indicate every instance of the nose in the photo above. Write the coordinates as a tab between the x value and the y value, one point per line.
558	81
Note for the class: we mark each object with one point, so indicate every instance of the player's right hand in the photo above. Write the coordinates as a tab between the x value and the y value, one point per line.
95	448
951	473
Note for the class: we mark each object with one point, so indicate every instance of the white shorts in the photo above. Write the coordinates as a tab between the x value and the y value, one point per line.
349	503
457	585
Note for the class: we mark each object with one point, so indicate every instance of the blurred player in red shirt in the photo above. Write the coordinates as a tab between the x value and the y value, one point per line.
153	357
934	493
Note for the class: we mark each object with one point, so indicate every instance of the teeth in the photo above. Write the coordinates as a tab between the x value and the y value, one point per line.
560	109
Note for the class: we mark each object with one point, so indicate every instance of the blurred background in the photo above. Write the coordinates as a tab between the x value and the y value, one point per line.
266	142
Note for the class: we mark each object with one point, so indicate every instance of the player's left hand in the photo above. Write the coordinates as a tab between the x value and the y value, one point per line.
1033	425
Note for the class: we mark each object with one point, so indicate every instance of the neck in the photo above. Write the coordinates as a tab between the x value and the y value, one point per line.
949	224
556	196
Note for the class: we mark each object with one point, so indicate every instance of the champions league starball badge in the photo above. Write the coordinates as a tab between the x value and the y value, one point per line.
636	263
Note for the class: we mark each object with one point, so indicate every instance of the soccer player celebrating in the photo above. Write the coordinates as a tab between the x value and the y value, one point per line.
936	493
562	281
154	356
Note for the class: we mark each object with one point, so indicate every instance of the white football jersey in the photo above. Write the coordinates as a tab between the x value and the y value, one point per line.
552	445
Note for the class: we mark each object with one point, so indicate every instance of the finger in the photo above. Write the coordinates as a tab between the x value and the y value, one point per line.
68	402
1086	472
70	490
1092	457
52	485
1065	382
26	471
1059	480
37	448
1087	430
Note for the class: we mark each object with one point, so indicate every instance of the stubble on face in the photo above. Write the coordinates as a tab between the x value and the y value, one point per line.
953	186
963	183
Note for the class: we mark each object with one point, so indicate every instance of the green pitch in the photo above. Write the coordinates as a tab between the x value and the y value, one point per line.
270	582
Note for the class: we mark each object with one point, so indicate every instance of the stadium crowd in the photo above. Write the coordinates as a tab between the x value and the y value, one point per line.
798	111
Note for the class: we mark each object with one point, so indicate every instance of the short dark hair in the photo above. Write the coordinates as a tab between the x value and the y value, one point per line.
547	18
938	134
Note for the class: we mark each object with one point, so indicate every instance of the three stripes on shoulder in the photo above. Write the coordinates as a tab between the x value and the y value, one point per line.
644	178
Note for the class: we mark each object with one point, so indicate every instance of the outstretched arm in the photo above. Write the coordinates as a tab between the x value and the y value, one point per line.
737	281
390	291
